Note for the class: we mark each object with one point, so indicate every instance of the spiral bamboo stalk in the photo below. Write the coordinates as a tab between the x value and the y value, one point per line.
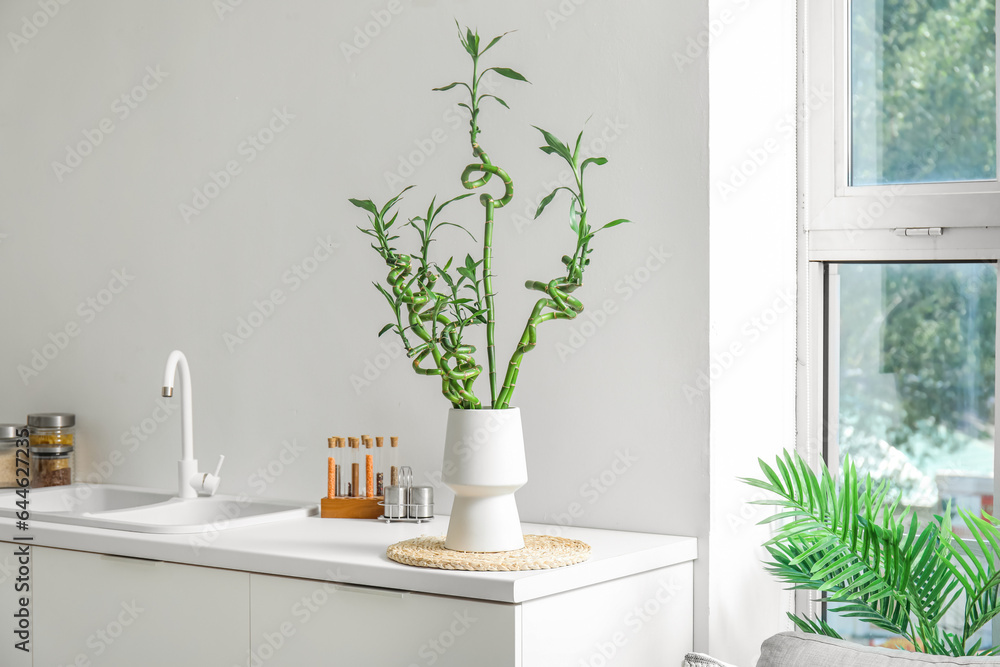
439	319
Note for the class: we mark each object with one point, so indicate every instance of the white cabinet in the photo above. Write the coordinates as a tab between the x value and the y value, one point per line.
645	620
11	609
92	609
301	623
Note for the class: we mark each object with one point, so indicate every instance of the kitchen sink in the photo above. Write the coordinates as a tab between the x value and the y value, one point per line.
146	510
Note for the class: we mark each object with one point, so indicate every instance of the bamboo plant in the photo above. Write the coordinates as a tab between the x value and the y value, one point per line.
432	318
874	561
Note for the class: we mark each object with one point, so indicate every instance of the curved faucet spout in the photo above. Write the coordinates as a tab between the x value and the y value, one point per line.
178	362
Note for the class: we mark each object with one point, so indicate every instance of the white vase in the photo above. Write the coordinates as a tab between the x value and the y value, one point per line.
484	465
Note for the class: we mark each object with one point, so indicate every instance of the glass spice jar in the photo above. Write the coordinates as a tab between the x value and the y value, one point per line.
51	429
8	454
52	466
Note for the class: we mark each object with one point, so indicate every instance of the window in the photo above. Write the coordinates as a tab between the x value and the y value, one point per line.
922	92
911	386
899	232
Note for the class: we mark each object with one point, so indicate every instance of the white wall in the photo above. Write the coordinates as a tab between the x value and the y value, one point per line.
753	294
350	117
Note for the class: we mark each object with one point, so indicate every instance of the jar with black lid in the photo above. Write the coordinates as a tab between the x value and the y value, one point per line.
51	466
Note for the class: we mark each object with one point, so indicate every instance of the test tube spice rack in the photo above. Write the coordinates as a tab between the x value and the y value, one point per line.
356	478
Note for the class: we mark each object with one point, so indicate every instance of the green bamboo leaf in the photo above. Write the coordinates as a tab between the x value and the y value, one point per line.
483	97
473	40
558	146
614	223
494	41
452	85
593	160
366	204
385	328
575	216
452	224
509	73
453	199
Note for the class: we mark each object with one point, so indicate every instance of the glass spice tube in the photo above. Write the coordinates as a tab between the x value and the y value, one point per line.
379	477
331	470
355	470
394	461
340	456
369	469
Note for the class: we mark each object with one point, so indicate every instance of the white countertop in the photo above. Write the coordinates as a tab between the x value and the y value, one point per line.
352	551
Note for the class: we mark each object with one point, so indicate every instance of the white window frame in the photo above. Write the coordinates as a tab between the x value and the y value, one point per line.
843	223
839	218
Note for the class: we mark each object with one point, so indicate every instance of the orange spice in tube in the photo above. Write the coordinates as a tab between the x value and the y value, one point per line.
370	469
331	471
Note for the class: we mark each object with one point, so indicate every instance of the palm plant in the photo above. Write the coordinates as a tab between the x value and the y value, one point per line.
873	561
438	319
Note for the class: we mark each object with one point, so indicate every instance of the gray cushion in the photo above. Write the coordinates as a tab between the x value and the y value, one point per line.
702	660
793	649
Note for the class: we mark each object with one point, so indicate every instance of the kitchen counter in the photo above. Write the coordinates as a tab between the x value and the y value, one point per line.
352	551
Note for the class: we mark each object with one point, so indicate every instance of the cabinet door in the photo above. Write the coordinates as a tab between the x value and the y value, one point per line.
645	620
11	610
304	623
92	609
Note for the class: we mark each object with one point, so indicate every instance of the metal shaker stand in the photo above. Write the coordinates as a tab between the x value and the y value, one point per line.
405	512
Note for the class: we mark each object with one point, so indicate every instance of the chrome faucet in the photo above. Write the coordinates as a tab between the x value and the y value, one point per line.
190	482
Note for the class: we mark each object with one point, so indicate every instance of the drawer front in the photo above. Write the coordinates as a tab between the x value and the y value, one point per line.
11	610
299	623
92	609
645	620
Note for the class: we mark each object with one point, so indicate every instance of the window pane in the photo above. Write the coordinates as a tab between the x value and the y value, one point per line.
923	91
916	386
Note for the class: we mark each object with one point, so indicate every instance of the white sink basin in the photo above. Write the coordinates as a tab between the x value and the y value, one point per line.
148	511
80	498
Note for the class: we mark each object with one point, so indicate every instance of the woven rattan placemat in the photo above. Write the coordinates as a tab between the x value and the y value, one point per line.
540	552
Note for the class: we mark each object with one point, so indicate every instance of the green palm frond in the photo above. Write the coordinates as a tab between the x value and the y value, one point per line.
873	561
